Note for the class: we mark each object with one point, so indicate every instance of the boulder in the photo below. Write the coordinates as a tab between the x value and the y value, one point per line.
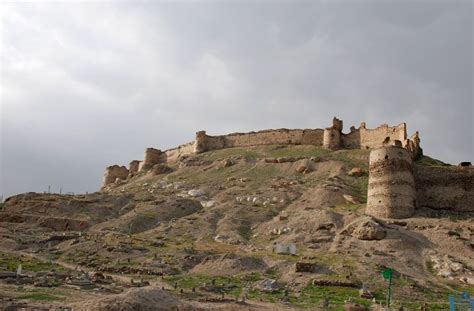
365	229
195	192
369	230
355	172
301	168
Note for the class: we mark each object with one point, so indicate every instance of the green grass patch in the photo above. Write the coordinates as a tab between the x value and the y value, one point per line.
259	175
229	285
43	295
428	161
10	263
313	295
215	155
294	151
244	230
359	188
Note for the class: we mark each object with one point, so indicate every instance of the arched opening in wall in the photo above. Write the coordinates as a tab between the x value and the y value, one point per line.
386	157
386	140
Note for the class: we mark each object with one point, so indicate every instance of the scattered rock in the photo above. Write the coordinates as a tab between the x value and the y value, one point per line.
355	172
303	168
268	285
195	192
227	163
369	230
350	199
206	204
446	266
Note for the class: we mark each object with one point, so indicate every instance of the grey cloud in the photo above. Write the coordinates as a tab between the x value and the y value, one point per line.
90	84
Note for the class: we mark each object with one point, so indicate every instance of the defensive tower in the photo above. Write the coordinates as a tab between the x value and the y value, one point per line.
391	191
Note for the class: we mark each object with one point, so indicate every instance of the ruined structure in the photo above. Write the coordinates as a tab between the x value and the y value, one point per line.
391	190
330	138
152	156
114	172
134	166
396	186
450	187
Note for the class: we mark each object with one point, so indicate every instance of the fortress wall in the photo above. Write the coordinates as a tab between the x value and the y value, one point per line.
364	138
172	155
391	189
134	166
268	137
113	172
152	156
312	137
450	188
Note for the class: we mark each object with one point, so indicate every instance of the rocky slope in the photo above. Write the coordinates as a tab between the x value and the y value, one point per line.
278	226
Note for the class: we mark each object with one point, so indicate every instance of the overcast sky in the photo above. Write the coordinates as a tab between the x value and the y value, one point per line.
91	84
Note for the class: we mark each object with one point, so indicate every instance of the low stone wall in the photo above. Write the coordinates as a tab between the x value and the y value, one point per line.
449	188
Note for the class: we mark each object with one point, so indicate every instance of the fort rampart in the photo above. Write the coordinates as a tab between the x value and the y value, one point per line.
396	186
330	138
449	187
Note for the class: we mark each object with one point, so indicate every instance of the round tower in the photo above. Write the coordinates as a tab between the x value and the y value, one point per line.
331	138
391	190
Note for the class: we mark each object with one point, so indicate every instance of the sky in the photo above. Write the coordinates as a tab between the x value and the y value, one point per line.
84	85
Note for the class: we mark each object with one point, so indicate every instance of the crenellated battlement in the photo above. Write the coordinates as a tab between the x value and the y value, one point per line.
331	138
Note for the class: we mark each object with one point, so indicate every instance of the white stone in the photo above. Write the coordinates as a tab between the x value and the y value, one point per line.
196	192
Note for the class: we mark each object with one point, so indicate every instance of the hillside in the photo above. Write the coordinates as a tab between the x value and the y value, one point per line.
213	227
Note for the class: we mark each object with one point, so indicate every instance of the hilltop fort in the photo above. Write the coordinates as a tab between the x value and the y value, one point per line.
252	216
395	187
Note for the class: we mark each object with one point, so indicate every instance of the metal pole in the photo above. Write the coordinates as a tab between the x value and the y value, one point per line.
452	306
389	292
